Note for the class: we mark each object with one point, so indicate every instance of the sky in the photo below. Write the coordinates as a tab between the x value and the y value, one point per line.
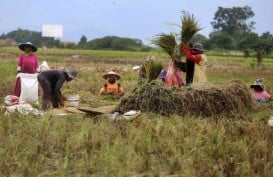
139	19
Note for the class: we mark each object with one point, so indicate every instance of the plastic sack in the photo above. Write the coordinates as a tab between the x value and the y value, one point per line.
270	121
131	114
12	100
24	109
29	87
44	66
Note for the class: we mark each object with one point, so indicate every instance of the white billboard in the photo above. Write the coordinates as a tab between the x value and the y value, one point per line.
52	30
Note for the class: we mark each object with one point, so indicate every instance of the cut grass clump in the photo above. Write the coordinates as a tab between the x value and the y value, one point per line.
229	98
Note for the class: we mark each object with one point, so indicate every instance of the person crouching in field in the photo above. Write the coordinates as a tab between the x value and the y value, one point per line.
259	94
51	82
197	55
112	87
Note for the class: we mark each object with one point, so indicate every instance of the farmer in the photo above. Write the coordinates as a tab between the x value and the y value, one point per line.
112	87
174	74
259	93
197	55
51	82
27	63
189	69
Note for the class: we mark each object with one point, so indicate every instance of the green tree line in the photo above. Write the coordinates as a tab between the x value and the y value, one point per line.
113	43
108	42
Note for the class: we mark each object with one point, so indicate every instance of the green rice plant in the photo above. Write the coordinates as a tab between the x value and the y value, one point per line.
189	27
7	77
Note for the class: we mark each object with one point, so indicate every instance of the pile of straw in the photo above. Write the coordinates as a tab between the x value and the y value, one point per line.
231	99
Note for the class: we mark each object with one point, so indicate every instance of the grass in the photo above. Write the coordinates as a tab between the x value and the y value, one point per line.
150	145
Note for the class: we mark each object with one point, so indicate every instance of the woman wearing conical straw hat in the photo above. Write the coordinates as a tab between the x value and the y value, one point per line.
27	63
112	86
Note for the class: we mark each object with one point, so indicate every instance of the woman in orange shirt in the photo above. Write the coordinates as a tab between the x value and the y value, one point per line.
112	87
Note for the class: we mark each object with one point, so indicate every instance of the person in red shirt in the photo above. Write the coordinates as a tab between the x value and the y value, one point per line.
112	87
27	63
259	94
197	55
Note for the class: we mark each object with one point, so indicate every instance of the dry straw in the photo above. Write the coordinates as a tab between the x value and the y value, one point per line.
230	99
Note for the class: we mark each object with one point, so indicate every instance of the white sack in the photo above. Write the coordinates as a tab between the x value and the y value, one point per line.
44	66
29	87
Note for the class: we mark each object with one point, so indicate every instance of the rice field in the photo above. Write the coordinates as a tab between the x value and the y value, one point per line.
151	144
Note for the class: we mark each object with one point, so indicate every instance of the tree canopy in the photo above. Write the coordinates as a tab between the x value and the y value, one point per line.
35	37
83	41
233	20
117	43
108	42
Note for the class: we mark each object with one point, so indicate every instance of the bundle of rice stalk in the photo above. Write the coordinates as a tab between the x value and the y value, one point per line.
150	70
189	27
167	42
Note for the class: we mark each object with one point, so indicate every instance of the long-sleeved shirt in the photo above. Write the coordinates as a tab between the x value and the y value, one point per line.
56	78
28	63
199	75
